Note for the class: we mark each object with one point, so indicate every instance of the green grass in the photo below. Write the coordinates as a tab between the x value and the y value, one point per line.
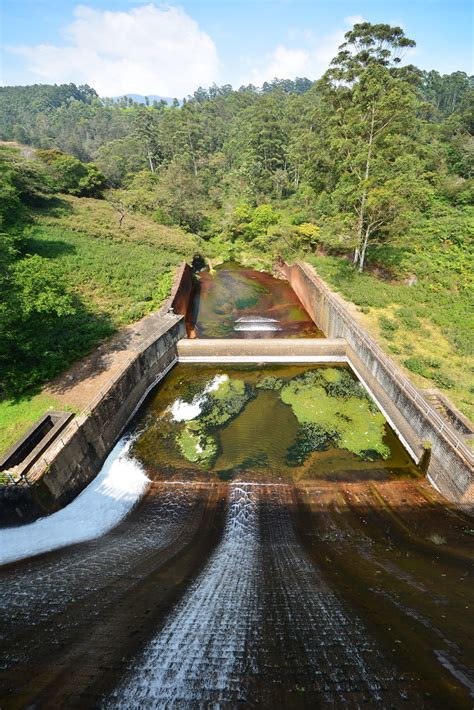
16	416
428	328
115	276
123	273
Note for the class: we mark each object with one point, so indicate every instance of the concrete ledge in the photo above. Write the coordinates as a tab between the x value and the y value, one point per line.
76	457
23	454
264	350
181	292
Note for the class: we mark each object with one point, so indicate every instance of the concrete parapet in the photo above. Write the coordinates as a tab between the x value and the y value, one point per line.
450	468
181	291
75	458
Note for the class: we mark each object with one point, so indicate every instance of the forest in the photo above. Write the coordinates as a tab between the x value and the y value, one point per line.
367	173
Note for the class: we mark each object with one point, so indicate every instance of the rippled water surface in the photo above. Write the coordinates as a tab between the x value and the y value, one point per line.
235	302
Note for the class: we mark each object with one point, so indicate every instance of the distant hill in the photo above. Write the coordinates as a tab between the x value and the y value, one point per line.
139	99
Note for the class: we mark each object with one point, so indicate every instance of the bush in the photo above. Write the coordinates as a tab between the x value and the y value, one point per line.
388	327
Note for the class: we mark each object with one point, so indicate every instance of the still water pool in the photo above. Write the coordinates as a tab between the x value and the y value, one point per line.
235	302
271	423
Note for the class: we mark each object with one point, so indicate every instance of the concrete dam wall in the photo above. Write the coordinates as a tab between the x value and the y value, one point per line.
450	466
76	457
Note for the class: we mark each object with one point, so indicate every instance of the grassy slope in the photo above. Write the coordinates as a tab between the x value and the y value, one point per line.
427	327
125	273
120	275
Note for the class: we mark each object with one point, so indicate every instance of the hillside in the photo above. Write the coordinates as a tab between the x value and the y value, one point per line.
112	276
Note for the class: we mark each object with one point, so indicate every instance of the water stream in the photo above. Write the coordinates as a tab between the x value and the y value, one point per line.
259	537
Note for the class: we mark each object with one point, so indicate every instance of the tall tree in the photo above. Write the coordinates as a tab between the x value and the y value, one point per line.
372	129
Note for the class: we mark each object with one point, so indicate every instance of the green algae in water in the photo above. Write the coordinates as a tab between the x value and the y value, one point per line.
338	410
221	404
196	446
243	428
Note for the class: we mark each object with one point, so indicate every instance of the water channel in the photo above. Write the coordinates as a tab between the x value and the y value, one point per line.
286	553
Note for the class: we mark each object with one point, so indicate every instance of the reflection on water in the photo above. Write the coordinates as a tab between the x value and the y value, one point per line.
235	302
269	423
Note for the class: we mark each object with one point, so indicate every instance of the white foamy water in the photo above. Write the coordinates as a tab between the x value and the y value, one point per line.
256	323
100	507
201	653
256	319
182	411
213	644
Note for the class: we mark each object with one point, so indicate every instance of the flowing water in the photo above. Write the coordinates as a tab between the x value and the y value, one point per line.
286	553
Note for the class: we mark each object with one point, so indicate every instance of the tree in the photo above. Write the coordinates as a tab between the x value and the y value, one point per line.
145	128
71	176
372	130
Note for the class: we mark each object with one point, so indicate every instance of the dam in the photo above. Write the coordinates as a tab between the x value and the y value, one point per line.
262	532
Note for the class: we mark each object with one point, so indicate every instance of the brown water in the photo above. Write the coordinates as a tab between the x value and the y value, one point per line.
236	302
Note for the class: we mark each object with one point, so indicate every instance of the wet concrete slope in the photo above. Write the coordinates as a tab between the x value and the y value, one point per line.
324	594
69	618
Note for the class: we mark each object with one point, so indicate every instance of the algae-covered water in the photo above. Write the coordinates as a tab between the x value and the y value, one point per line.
235	302
267	423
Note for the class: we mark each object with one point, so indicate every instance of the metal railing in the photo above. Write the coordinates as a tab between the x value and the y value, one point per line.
443	428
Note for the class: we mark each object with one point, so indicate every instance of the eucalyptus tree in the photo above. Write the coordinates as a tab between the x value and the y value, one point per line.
372	132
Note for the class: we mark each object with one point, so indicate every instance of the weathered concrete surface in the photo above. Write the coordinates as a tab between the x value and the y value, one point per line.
73	460
336	595
262	350
451	463
181	292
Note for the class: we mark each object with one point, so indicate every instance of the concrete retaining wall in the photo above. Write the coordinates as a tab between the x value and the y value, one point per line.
450	467
76	458
181	292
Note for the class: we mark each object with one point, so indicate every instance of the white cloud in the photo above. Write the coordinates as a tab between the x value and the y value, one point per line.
311	60
283	63
147	50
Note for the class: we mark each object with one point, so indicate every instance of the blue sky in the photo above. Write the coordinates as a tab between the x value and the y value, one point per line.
121	46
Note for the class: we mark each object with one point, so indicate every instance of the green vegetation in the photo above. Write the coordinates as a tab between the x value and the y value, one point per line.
195	446
270	383
16	416
70	275
427	327
196	441
367	173
332	409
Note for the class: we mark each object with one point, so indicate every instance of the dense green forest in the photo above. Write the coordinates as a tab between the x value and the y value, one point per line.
369	169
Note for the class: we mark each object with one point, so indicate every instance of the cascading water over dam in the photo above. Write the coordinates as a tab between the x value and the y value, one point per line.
215	642
259	536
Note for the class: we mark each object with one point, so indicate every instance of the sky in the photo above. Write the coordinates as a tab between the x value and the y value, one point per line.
130	46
